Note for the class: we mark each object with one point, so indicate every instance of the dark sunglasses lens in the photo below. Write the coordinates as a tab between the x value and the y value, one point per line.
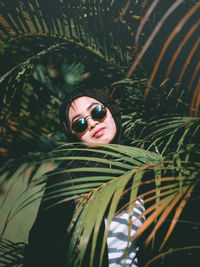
79	125
99	112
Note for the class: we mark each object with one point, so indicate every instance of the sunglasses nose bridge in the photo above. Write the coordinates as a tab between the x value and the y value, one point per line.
91	122
88	116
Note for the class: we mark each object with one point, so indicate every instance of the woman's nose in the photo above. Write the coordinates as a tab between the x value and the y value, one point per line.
91	123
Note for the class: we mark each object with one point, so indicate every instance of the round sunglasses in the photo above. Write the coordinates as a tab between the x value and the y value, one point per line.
97	113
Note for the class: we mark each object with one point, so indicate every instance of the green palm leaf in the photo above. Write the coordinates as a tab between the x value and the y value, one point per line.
172	131
168	192
108	191
11	253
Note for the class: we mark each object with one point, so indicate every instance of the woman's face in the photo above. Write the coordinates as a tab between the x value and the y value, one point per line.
98	131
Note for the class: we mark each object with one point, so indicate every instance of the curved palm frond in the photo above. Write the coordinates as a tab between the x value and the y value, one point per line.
170	193
170	252
171	134
108	190
137	169
70	21
37	32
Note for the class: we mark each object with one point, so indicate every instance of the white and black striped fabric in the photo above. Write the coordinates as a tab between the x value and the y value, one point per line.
117	240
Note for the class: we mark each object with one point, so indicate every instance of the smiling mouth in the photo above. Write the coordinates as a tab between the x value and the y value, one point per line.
99	132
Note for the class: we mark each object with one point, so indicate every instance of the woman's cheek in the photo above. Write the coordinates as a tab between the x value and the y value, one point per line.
84	138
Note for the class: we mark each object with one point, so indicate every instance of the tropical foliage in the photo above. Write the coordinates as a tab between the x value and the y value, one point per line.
145	54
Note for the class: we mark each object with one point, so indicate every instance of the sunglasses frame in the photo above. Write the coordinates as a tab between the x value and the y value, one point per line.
74	127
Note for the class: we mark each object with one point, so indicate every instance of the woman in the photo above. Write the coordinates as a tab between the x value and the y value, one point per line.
89	116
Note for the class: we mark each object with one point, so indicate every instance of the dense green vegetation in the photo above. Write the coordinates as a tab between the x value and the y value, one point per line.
145	54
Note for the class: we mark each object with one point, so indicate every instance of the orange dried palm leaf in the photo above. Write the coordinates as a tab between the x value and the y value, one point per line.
125	9
195	96
198	99
176	30
171	187
152	36
145	19
179	49
158	208
177	214
164	215
194	74
188	59
163	254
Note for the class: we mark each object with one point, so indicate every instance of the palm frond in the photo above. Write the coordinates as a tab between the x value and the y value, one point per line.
184	30
169	192
11	253
170	252
172	131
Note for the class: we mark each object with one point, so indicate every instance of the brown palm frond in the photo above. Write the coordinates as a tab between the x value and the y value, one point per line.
145	19
188	59
188	20
194	107
194	75
180	47
150	39
170	206
173	34
178	212
171	251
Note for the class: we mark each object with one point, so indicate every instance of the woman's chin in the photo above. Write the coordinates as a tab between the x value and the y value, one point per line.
92	144
98	142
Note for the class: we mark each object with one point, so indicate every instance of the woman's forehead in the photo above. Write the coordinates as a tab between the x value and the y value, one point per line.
82	103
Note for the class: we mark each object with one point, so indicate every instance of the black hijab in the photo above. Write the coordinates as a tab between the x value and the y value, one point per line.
99	95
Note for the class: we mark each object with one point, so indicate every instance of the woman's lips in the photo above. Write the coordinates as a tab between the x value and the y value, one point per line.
99	132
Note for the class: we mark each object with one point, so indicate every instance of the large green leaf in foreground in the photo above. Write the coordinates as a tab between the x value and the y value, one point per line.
172	184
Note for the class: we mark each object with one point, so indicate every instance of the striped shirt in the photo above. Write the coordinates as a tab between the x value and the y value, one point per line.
117	240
